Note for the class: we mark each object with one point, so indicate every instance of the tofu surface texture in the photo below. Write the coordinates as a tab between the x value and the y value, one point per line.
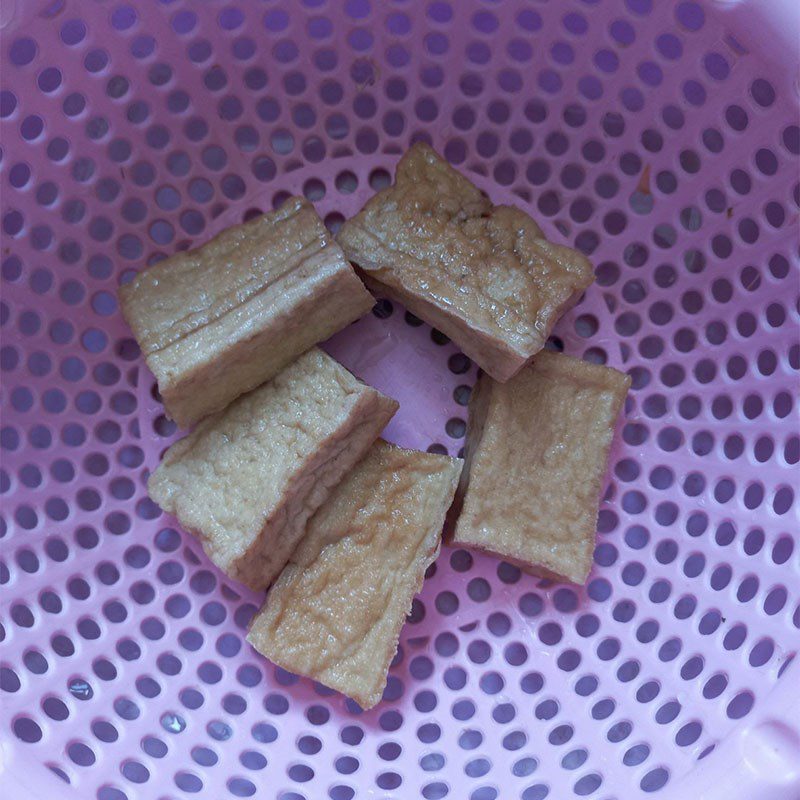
216	322
536	457
484	275
247	479
336	611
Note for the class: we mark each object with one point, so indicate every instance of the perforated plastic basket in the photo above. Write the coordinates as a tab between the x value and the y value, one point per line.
661	139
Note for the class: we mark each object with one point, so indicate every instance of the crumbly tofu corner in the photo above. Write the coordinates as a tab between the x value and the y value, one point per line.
336	611
485	275
247	479
216	322
536	456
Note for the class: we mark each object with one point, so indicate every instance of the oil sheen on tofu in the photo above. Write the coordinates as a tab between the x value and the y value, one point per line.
484	275
247	480
336	611
537	452
218	321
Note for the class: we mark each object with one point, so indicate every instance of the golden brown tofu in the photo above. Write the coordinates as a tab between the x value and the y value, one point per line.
536	456
247	479
218	321
484	275
336	611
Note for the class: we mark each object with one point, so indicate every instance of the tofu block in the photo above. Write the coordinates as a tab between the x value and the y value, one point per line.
484	275
536	457
247	480
336	611
216	322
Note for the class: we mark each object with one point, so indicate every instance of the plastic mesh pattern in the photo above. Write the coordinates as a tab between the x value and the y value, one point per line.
640	132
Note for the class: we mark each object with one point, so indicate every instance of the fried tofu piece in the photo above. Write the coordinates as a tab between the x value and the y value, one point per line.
537	450
247	480
216	322
484	275
336	611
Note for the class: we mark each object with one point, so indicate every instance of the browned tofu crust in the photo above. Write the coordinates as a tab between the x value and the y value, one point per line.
537	450
218	321
336	611
484	275
247	479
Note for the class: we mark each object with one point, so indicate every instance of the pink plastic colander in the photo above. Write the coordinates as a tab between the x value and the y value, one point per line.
660	138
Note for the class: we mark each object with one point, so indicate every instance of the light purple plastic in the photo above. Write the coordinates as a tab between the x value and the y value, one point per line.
661	139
